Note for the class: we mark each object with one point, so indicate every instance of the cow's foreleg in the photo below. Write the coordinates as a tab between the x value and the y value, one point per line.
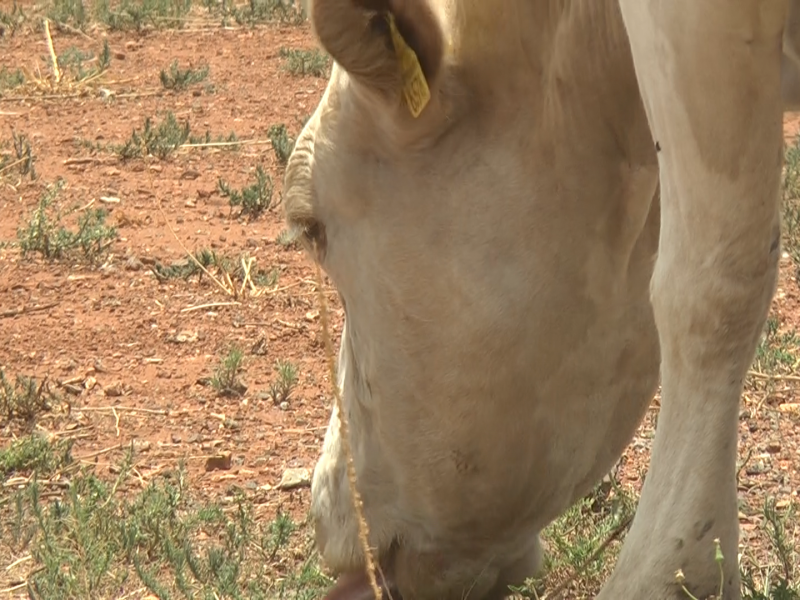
709	71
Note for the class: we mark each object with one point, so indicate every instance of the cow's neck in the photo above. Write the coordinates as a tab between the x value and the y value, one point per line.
540	51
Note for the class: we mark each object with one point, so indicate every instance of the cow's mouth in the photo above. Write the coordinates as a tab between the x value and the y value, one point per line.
355	586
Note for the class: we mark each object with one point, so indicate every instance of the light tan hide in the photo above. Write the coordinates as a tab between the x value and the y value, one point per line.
506	315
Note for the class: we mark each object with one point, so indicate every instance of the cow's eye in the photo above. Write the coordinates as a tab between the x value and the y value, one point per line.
313	238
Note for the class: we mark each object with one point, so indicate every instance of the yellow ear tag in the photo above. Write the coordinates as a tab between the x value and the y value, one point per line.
415	88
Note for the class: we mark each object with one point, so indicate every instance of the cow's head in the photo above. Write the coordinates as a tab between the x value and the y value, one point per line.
425	224
358	143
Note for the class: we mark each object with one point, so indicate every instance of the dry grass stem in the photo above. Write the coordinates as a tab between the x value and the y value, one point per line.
759	375
27	309
52	50
209	305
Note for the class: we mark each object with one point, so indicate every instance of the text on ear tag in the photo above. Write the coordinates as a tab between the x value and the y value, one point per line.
415	88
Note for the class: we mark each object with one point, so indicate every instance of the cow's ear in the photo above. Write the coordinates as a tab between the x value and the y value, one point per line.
376	41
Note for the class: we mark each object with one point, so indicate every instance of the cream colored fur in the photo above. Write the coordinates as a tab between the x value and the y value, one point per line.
497	257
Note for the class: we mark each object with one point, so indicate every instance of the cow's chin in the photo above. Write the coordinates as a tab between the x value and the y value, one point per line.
356	586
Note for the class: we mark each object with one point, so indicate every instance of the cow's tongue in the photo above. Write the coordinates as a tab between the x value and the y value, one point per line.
355	586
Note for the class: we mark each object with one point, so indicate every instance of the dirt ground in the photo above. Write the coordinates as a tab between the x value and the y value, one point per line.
115	327
130	355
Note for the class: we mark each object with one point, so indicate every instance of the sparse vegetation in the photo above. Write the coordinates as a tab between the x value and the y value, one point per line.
74	60
253	199
34	453
777	351
257	11
265	279
44	233
159	141
228	143
281	388
92	146
124	15
305	62
24	156
139	14
10	79
184	269
791	205
584	542
580	555
229	268
287	239
776	578
25	398
226	380
164	139
282	144
69	11
11	20
92	540
178	79
20	158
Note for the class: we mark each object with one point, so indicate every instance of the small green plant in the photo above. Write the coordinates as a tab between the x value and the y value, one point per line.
125	15
279	533
776	578
228	268
265	279
184	269
226	380
45	235
68	11
258	11
777	352
305	62
281	389
287	239
23	157
73	60
90	145
94	541
34	453
10	79
230	142
24	399
13	20
282	144
103	59
254	199
580	554
159	141
179	79
790	241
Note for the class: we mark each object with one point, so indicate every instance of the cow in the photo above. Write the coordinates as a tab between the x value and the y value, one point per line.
549	209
